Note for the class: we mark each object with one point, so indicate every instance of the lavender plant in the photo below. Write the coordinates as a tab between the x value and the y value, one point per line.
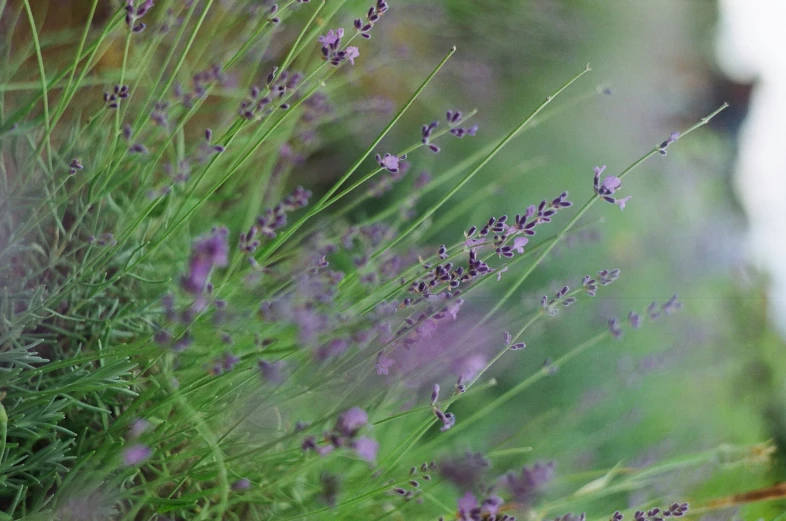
193	330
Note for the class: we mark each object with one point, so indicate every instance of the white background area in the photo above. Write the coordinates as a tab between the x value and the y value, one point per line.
751	46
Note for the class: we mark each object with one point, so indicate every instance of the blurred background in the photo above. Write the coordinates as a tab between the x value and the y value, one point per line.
705	222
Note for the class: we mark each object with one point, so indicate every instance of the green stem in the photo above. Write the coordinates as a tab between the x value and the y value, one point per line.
415	225
322	202
42	72
584	209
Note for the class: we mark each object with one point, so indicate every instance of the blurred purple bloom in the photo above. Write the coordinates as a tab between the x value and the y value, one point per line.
614	328
366	448
469	367
271	372
136	454
352	421
491	505
138	427
528	484
466	504
207	252
352	52
241	484
465	471
384	363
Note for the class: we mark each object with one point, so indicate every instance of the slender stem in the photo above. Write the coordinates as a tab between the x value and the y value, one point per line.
44	89
322	202
428	213
584	209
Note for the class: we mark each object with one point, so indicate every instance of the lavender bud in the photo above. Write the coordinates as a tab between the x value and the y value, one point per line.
435	394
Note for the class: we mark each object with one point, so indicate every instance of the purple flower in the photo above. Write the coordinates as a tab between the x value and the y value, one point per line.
271	372
390	162
422	180
207	252
333	348
384	363
663	146
374	14
529	483
634	319
507	337
434	394
611	183
136	454
138	427
448	419
671	305
608	187
466	504
352	52
366	448
74	166
331	48
132	15
332	38
351	421
491	505
465	471
454	307
241	484
519	243
622	202
614	328
470	366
